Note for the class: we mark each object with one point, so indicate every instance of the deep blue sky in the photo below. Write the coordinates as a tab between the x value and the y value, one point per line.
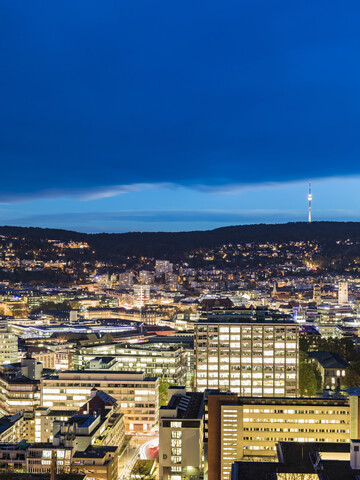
138	115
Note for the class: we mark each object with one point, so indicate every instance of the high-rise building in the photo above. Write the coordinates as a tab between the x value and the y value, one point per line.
244	428
317	293
343	293
163	267
146	277
126	279
9	352
250	428
141	295
249	356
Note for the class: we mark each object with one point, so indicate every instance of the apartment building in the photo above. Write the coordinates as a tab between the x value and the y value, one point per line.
137	394
249	428
251	355
181	436
20	386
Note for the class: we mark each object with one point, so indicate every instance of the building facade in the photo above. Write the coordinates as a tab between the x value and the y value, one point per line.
137	394
181	436
248	357
249	428
168	362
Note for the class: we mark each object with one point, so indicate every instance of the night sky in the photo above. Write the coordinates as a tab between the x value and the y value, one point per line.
161	115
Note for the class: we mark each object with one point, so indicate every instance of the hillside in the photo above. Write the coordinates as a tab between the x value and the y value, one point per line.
165	244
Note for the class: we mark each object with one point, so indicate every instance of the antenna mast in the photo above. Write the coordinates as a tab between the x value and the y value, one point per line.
309	198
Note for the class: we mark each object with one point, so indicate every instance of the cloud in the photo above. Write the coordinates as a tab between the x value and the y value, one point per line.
154	220
125	99
101	192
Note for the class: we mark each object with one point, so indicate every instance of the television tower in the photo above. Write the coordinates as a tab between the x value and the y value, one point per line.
309	198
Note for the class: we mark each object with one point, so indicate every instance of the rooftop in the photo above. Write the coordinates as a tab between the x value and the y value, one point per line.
188	405
329	360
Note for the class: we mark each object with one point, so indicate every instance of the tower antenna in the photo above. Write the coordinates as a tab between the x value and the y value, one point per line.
309	198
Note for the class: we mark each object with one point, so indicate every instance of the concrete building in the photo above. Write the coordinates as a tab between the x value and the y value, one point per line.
12	428
310	461
162	267
249	356
343	293
20	386
44	422
137	394
146	277
126	279
141	295
9	351
181	436
168	362
240	428
317	293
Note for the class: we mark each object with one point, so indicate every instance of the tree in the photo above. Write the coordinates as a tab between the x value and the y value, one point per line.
163	392
352	375
309	377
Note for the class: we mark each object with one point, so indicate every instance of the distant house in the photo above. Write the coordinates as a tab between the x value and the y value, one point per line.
331	366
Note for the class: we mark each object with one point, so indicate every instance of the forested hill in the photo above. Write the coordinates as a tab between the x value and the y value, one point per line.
165	244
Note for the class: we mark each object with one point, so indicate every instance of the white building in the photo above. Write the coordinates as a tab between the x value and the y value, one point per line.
343	293
9	351
141	295
137	394
181	436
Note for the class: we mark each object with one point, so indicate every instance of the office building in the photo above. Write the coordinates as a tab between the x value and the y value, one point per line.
240	428
168	362
304	461
9	351
181	436
137	394
20	386
248	356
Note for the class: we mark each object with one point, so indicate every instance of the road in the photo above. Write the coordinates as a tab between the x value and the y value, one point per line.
137	448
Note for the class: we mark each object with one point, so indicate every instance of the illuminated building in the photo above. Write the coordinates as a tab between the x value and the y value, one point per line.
44	421
126	279
137	394
181	436
20	387
8	345
249	428
317	293
343	293
162	267
141	295
332	368
146	277
248	356
155	360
